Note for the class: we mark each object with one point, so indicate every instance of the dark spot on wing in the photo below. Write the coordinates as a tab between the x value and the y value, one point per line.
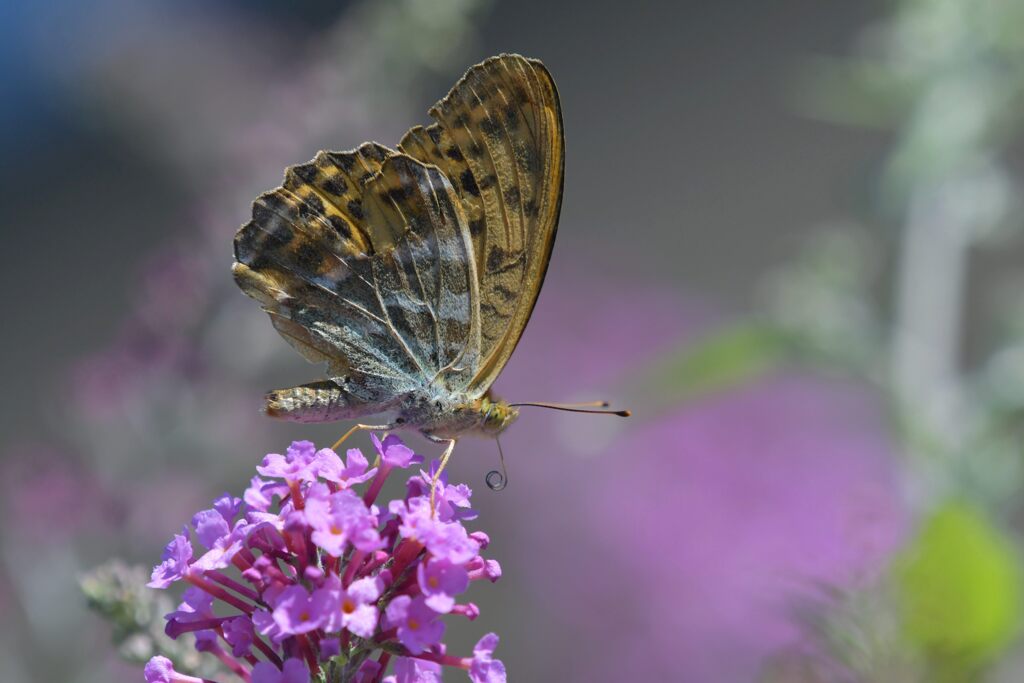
335	185
355	209
434	132
373	151
276	204
312	206
512	115
307	172
531	209
528	158
490	308
341	226
506	293
494	258
476	227
454	153
345	162
490	127
498	261
273	234
511	197
469	183
309	255
399	194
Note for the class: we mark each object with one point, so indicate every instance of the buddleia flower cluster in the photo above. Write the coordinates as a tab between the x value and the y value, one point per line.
307	579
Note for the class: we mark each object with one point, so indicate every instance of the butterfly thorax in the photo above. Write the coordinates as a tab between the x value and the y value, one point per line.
441	418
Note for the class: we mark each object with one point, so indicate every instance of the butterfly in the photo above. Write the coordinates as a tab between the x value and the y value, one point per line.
412	272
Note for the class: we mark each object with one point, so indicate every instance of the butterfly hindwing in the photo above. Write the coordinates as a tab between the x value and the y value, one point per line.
498	138
387	298
427	281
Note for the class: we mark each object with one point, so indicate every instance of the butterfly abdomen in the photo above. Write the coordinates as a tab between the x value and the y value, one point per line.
314	402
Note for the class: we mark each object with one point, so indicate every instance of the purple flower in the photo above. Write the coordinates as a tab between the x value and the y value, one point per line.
263	622
441	580
485	569
412	670
393	452
210	527
443	540
196	608
419	627
340	519
297	464
174	562
451	542
224	548
330	467
309	571
239	634
352	608
451	502
296	612
161	670
293	671
228	506
260	494
484	668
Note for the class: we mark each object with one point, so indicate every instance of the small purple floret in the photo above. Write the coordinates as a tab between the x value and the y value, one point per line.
294	671
174	562
419	627
411	670
393	452
441	581
484	668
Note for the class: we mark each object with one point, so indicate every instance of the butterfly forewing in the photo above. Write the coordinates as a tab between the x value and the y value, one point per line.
498	137
390	321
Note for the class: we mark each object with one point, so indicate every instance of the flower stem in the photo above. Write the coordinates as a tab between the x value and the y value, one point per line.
377	484
218	592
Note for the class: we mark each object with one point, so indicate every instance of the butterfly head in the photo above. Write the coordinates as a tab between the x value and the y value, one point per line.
497	415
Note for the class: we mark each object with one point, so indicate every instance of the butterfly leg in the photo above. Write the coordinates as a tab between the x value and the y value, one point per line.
360	427
437	475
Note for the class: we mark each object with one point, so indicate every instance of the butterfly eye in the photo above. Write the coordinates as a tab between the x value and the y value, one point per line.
399	420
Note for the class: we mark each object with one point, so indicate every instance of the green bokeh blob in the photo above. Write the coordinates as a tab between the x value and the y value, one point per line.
960	581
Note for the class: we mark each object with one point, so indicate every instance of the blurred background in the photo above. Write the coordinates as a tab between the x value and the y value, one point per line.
791	241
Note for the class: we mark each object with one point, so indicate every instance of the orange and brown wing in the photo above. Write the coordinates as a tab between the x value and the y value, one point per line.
498	138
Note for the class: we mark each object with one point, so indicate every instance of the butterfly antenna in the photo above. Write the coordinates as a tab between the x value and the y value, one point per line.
579	408
496	480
